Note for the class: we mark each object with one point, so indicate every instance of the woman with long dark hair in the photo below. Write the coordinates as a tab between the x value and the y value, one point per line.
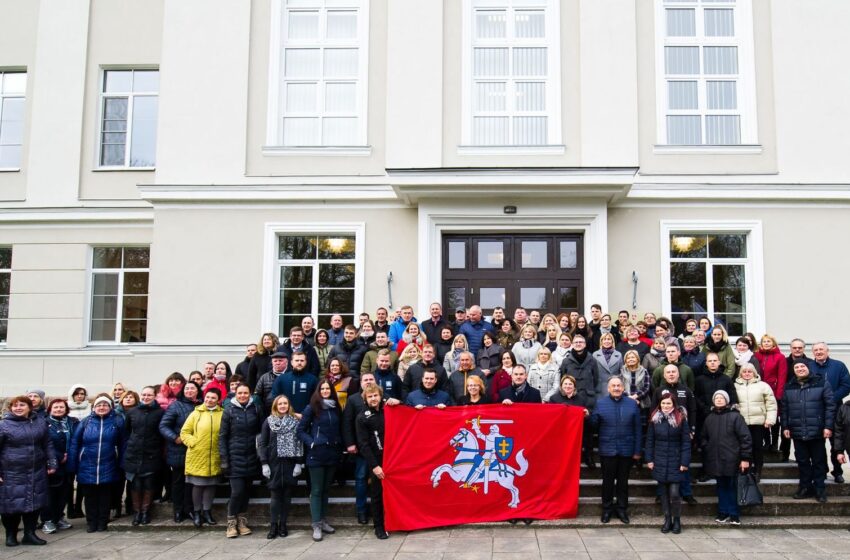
668	456
319	430
175	450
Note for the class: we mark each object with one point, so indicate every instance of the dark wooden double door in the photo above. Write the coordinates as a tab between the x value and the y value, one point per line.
534	271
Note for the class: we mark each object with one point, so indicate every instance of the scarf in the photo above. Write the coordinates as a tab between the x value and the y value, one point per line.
715	346
743	357
580	357
456	356
328	403
607	352
63	426
333	379
520	389
660	417
528	342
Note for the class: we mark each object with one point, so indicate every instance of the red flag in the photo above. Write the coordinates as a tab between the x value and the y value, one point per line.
469	464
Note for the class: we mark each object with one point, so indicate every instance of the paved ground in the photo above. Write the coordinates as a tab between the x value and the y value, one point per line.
468	543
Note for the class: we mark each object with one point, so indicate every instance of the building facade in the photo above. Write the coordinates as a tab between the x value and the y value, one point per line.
177	177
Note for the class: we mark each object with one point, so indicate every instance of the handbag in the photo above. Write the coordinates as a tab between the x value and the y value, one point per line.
749	493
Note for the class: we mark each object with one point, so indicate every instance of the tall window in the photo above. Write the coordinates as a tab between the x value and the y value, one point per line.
706	71
321	73
13	88
5	290
511	78
119	302
129	106
316	277
708	277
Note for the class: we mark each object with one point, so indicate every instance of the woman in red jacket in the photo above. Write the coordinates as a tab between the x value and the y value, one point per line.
774	368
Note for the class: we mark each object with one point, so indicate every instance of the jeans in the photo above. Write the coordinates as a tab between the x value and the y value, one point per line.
321	479
361	484
615	473
727	496
811	461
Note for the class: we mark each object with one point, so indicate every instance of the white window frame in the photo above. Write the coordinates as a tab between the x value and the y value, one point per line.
4	96
119	313
274	119
9	272
753	267
270	299
745	79
552	42
130	95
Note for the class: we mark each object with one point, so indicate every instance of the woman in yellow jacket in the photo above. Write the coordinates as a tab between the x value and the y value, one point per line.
203	462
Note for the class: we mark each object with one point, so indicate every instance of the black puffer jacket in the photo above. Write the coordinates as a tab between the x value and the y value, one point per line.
370	435
725	442
808	407
144	442
25	455
349	353
668	446
237	439
709	383
169	427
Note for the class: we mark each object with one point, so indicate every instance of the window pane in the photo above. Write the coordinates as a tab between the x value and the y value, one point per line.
490	96
286	322
530	24
491	254
490	24
296	277
535	254
727	246
102	330
533	298
118	81
5	284
291	247
736	325
135	307
530	61
336	247
336	301
336	275
681	23
530	96
106	257
339	131
301	131
681	60
569	254
729	300
723	130
530	131
684	130
104	307
12	125
105	284
5	257
301	63
490	62
296	301
721	60
115	108
682	95
114	122
301	98
722	95
341	62
719	23
146	80
324	319
14	82
4	324
491	297
683	246
687	274
457	254
490	131
341	98
10	156
728	275
303	25
457	298
134	330
568	298
137	257
143	146
136	282
342	25
690	300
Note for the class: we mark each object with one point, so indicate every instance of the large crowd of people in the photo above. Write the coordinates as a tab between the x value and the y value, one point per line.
312	403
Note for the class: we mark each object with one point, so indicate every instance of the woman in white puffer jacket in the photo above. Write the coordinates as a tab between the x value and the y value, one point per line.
757	405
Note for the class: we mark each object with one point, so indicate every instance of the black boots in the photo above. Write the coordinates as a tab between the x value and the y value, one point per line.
206	517
273	529
197	521
136	496
147	500
381	533
668	524
677	525
11	537
30	521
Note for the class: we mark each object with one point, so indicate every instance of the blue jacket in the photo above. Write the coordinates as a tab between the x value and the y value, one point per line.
97	448
694	360
432	398
808	408
25	455
397	330
170	425
618	422
836	373
298	388
391	384
474	332
668	447
322	436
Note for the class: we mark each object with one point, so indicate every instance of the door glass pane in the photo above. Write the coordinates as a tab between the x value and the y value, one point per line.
568	298
687	274
684	130
727	246
682	95
491	297
533	298
491	254
336	275
297	302
490	24
569	254
297	247
689	300
296	277
530	24
336	301
457	254
456	298
681	60
681	23
336	247
728	276
687	246
535	254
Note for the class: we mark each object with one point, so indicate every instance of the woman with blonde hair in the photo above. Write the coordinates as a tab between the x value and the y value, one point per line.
543	374
280	450
774	372
608	361
565	342
412	335
547	321
262	360
718	343
526	349
452	359
476	392
757	404
409	356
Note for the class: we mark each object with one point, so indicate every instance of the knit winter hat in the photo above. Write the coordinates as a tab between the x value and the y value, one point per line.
103	398
38	392
722	393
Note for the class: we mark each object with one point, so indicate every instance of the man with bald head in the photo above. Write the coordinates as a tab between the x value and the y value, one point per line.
474	328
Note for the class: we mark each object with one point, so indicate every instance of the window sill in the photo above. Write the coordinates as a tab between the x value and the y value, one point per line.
544	150
317	150
665	149
106	169
10	169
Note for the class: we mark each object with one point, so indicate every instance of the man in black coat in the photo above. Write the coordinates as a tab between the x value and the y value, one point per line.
353	407
713	379
413	377
370	440
519	391
434	324
297	343
350	350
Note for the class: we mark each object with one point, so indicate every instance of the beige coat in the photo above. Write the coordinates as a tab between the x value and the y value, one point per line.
756	402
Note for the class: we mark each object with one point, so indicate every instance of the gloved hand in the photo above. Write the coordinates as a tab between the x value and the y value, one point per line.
225	468
267	471
297	470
